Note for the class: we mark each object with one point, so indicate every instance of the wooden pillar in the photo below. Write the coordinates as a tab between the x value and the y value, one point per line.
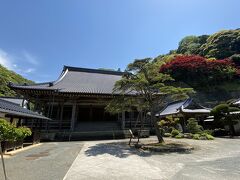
123	120
73	116
91	113
119	118
19	123
61	116
11	119
132	118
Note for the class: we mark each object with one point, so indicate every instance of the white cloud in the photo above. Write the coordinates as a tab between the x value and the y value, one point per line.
6	61
29	70
24	63
30	58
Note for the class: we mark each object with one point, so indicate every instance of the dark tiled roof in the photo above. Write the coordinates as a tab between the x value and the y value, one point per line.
188	106
79	80
13	109
18	101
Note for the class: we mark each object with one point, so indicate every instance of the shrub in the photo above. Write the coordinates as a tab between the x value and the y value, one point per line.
193	127
26	131
168	123
209	137
175	132
206	136
188	135
202	138
167	134
22	132
18	134
179	136
6	131
196	136
208	131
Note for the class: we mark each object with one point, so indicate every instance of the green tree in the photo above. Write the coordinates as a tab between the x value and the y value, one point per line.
236	59
222	114
222	44
191	44
144	88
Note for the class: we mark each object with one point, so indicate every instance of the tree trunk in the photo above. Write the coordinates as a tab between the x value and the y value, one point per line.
157	131
156	127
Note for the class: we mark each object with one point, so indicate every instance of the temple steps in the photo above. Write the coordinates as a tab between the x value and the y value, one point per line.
84	135
89	135
97	126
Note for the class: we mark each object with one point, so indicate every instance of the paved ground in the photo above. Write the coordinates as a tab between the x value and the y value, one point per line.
218	159
48	161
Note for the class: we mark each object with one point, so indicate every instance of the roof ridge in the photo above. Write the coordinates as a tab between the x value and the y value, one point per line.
90	70
178	101
25	84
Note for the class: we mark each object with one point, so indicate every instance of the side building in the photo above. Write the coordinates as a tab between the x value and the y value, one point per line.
76	103
13	110
183	110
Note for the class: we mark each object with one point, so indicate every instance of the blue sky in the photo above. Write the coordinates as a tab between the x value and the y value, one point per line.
38	37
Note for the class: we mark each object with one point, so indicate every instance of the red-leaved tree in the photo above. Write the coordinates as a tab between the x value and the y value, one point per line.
196	70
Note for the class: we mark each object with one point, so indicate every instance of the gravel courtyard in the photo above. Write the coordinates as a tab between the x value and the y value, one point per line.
113	159
218	159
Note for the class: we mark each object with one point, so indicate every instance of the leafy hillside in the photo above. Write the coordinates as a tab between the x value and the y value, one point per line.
208	63
220	45
7	76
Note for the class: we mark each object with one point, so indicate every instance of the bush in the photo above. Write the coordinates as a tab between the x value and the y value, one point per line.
25	131
206	136
209	137
175	132
8	132
18	134
179	136
208	131
193	127
196	136
167	134
22	132
188	135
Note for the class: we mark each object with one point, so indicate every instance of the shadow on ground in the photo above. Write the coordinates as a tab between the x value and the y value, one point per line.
123	150
120	150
